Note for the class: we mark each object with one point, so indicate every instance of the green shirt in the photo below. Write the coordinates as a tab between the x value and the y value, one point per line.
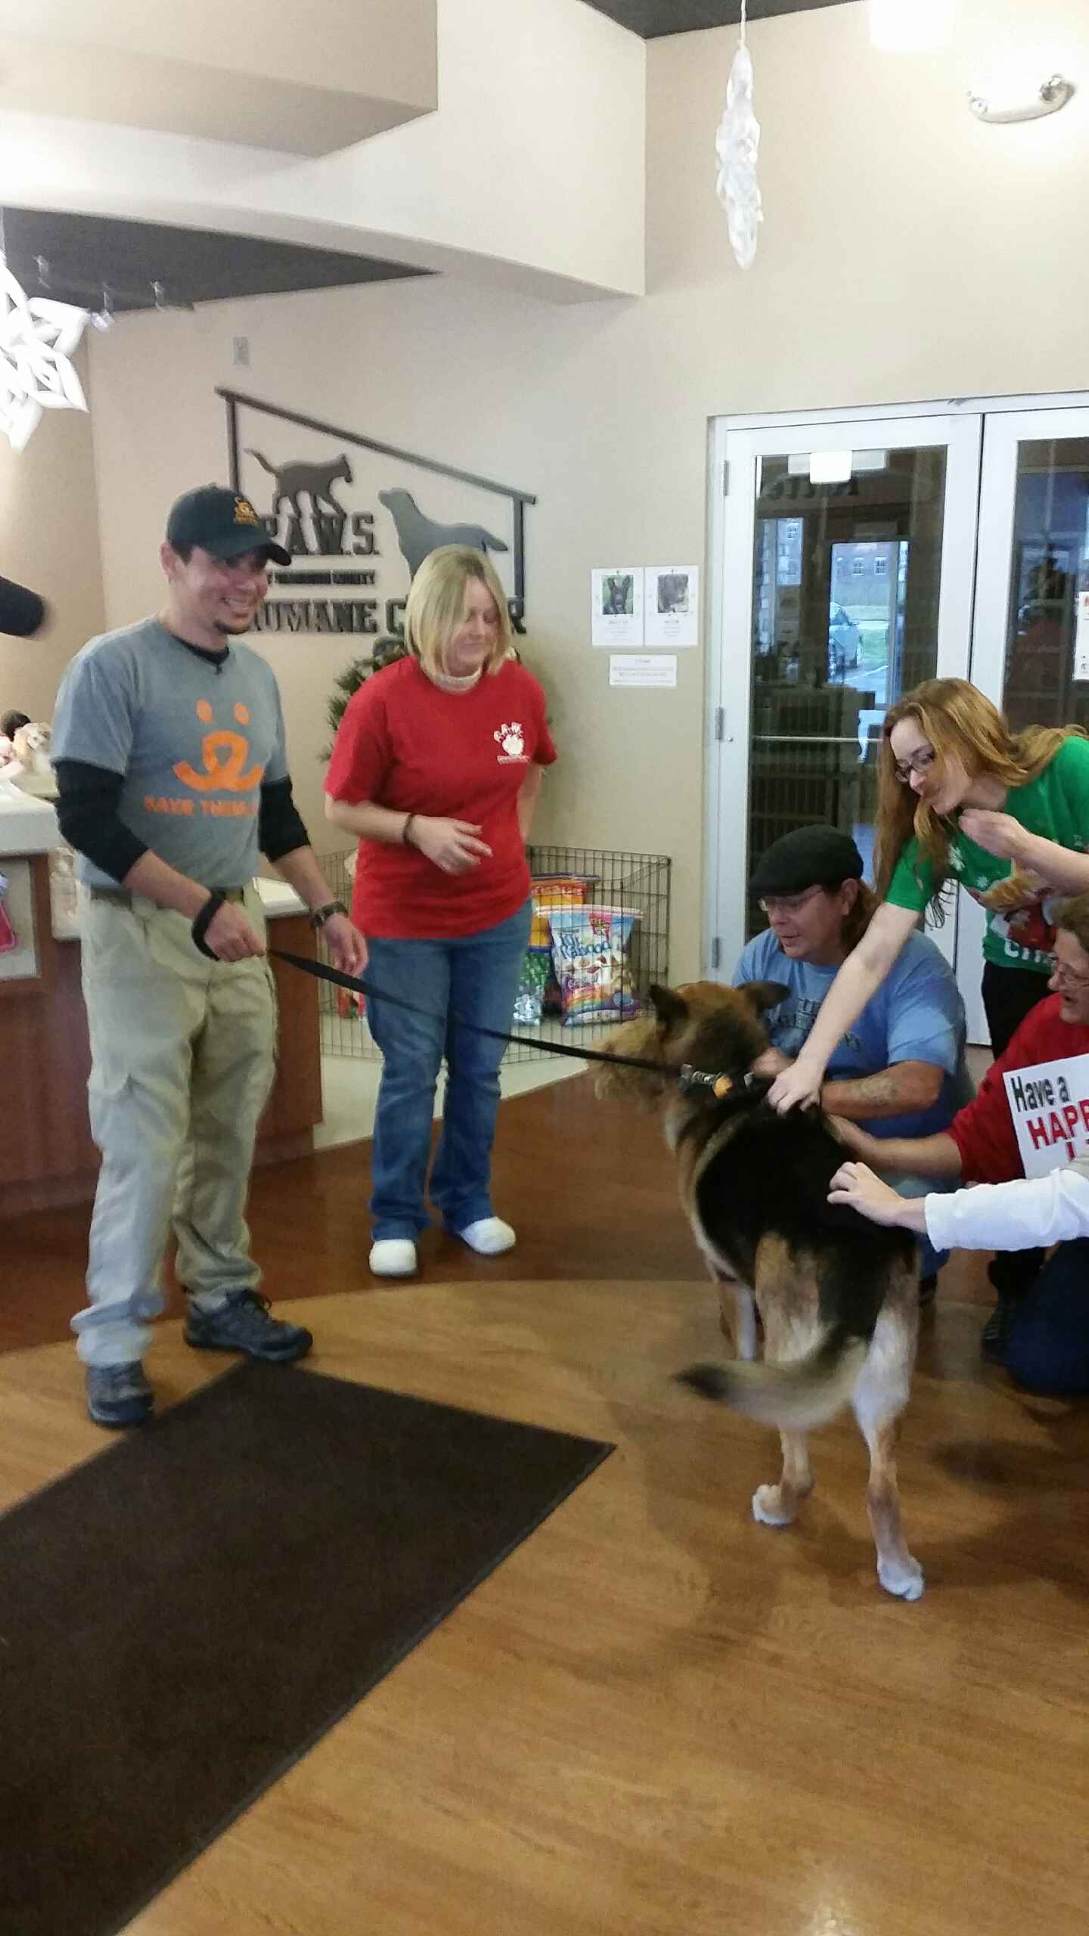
1020	905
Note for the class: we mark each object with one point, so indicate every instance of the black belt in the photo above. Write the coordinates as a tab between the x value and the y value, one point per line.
124	896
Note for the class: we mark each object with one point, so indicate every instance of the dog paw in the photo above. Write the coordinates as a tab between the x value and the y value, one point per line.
906	1582
768	1508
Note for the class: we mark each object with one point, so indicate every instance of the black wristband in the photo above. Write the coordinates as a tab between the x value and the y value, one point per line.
319	916
203	922
405	841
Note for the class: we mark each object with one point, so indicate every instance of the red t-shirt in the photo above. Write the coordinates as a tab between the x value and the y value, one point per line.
405	743
983	1131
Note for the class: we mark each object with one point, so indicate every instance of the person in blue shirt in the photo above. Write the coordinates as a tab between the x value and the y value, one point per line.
902	1061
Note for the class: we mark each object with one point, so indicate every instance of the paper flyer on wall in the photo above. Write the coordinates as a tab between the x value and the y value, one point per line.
616	606
643	669
671	605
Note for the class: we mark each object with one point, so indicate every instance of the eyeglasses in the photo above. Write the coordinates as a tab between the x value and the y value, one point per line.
1066	978
787	903
918	762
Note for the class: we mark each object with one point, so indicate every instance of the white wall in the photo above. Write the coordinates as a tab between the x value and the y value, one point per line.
908	253
531	170
254	71
49	541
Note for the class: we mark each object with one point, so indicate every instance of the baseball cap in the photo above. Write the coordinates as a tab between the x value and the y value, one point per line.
222	522
808	857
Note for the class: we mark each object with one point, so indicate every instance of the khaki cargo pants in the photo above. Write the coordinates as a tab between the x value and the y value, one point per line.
182	1062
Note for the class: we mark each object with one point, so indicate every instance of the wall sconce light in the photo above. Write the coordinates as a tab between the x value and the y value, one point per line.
1008	104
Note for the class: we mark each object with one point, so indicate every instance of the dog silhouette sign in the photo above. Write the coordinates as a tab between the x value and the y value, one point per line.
360	516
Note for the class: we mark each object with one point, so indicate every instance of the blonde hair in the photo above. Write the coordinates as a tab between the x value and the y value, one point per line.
436	606
958	721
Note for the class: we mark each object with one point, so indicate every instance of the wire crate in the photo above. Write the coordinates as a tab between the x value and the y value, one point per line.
636	883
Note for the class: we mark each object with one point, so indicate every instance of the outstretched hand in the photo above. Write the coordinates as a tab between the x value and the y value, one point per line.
856	1185
798	1086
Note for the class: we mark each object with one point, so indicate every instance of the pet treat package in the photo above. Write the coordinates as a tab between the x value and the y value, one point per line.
591	952
553	891
534	979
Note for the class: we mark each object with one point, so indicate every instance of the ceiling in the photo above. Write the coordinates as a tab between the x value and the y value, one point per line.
652	18
86	253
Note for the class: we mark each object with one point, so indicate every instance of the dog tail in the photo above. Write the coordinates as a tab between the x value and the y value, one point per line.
795	1397
263	461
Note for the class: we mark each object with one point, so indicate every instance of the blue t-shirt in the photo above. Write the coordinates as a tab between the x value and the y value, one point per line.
915	1016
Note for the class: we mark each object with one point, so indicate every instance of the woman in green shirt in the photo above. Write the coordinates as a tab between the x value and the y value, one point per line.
961	798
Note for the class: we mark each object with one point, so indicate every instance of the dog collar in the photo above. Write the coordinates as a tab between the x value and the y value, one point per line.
721	1085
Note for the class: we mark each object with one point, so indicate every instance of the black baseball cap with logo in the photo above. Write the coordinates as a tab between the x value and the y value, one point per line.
808	857
222	522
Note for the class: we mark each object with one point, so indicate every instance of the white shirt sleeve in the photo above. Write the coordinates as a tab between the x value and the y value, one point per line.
1033	1211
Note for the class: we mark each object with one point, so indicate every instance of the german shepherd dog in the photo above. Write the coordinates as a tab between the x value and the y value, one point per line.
837	1296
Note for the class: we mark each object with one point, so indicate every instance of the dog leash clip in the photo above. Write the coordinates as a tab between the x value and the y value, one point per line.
693	1078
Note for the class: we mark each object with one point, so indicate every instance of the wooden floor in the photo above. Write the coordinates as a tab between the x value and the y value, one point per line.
656	1716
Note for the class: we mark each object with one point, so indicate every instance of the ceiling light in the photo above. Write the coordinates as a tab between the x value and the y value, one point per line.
910	26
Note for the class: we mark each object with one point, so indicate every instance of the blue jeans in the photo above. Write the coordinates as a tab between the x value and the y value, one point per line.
460	980
1048	1346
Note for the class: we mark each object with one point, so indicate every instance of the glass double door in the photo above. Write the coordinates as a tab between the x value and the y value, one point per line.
858	557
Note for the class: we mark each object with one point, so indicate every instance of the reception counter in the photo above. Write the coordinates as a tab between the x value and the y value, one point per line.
47	1157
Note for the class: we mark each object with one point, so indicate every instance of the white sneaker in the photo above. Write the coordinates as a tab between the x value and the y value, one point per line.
393	1257
488	1236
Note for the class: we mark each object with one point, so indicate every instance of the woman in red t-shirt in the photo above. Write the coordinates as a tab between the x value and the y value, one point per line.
437	767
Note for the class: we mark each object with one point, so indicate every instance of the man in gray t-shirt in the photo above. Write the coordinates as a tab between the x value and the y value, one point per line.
168	746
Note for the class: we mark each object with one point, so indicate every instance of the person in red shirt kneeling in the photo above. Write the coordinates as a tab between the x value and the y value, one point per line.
1040	1329
436	767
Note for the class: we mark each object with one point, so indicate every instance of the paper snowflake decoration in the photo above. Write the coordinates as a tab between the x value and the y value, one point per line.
737	143
37	337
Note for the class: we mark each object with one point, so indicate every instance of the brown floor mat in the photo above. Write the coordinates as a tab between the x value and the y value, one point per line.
185	1615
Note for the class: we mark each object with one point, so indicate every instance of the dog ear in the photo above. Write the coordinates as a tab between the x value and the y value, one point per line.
670	1008
763	995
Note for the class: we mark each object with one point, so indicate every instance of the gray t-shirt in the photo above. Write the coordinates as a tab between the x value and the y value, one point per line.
193	741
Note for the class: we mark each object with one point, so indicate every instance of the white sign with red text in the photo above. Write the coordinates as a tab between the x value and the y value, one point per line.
1049	1104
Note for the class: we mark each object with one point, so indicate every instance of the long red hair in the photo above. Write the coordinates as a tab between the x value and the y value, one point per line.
959	720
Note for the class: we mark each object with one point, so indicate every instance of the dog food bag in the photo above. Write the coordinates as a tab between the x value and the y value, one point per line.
591	953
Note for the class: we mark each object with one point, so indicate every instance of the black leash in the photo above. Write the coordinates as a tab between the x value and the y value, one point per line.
720	1084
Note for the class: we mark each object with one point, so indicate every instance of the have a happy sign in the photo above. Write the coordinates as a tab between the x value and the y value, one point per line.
1049	1104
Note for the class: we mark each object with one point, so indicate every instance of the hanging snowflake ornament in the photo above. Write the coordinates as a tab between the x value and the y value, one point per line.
37	337
737	144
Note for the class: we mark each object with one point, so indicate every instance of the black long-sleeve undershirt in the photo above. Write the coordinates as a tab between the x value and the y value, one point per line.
88	812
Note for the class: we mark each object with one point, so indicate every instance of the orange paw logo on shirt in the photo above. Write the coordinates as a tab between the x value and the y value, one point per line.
224	754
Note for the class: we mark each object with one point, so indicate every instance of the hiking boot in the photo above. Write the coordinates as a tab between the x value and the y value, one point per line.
118	1395
244	1323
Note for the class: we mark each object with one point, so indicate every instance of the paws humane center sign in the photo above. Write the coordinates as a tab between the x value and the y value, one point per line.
359	517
